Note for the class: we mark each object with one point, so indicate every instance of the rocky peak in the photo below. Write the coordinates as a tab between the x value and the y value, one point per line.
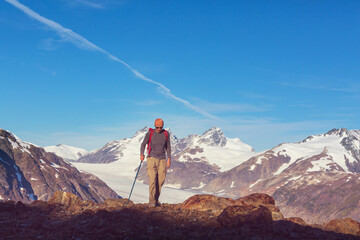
340	132
141	133
352	144
213	137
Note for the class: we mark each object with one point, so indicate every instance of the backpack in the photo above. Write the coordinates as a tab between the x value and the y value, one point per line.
151	134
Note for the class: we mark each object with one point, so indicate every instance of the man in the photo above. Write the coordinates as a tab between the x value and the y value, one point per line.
158	144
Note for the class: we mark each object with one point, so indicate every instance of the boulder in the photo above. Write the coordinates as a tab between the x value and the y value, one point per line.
116	204
238	216
69	201
205	202
345	226
258	199
296	220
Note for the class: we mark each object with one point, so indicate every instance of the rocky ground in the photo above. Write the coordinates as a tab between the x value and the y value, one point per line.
66	216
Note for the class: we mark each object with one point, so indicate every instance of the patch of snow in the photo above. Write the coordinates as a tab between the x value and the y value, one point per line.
232	184
14	145
43	196
56	175
33	179
42	161
31	196
322	164
251	185
4	161
23	146
252	167
18	175
68	152
58	166
176	186
200	186
294	178
259	160
220	193
348	179
1	198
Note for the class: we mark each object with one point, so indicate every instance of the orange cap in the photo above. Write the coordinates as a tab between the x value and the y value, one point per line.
159	122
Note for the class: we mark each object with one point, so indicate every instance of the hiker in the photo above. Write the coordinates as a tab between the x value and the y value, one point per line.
158	142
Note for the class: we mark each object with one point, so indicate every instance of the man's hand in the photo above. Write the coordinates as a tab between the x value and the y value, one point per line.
168	163
142	157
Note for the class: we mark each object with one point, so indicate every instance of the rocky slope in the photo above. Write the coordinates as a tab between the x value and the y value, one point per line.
29	173
65	216
315	179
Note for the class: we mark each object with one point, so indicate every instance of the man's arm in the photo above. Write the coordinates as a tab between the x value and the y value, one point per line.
143	144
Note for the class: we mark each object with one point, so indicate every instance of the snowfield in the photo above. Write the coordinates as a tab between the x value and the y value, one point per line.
120	178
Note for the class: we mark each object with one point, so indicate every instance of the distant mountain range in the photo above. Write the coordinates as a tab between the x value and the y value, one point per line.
28	173
315	179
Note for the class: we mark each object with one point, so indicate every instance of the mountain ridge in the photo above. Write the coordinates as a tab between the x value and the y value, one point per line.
28	173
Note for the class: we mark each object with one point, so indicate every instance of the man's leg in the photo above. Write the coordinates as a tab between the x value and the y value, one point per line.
152	172
161	177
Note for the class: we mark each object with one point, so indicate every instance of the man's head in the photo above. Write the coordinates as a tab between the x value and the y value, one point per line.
159	124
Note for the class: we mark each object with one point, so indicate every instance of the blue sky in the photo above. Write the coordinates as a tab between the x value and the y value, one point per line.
86	72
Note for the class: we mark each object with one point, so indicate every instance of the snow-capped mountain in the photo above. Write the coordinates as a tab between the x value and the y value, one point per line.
214	148
127	149
211	147
298	174
67	152
196	158
29	173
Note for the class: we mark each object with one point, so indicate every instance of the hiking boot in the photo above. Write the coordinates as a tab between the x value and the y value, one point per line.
152	205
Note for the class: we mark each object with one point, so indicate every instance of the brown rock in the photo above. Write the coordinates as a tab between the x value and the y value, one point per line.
65	198
116	204
208	202
237	216
345	225
258	199
217	204
296	220
69	201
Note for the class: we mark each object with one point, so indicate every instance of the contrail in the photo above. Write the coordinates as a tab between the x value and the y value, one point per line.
71	36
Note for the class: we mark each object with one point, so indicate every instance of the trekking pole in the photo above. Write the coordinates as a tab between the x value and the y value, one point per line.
134	183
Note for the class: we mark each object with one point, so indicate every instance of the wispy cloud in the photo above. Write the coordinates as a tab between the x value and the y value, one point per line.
49	44
89	4
350	88
231	107
81	42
